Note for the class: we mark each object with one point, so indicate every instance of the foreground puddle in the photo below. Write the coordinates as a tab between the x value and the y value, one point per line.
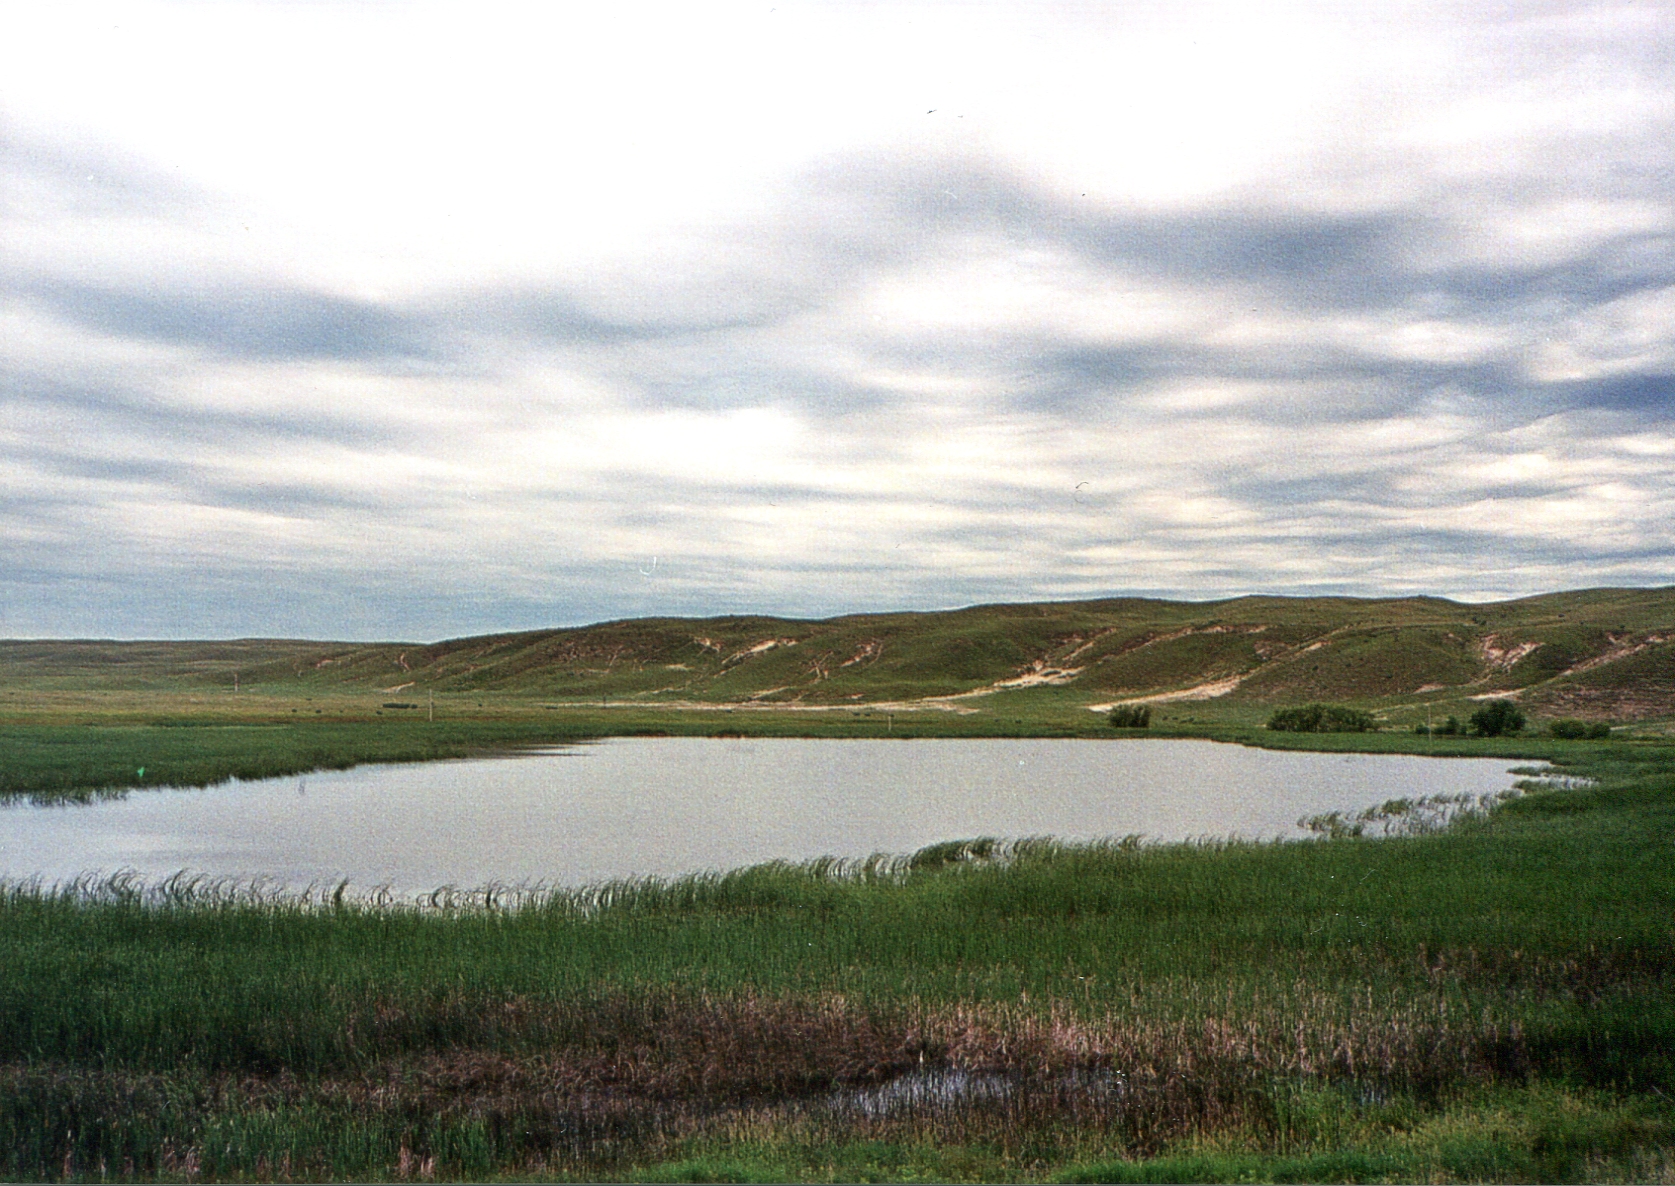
950	1090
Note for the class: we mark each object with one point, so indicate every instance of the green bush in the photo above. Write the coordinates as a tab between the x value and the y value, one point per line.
1322	718
1497	718
1131	716
1571	729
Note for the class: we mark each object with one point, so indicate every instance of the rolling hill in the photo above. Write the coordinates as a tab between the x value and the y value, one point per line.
1594	654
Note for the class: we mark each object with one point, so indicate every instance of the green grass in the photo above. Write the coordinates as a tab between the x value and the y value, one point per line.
57	760
80	717
1495	1002
1596	654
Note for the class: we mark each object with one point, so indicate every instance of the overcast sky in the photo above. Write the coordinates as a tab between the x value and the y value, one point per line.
356	320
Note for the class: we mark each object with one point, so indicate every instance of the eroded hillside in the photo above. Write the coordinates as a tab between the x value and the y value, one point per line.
1592	654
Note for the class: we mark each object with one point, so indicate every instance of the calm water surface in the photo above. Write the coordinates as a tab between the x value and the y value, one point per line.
633	806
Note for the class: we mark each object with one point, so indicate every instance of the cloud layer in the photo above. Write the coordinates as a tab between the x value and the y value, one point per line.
830	310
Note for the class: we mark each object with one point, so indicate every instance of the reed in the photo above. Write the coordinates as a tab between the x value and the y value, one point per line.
1343	1007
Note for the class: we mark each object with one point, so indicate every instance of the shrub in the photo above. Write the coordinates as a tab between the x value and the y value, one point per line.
1322	718
1497	718
1131	716
1447	729
1575	730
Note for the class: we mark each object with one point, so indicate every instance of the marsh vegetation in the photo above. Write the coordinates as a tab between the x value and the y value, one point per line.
1490	1000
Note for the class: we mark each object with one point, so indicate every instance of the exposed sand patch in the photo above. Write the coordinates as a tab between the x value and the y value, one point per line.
939	704
762	647
870	649
766	692
1619	650
1499	658
1091	643
1040	676
1204	691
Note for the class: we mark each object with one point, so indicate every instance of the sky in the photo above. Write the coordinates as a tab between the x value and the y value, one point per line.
385	320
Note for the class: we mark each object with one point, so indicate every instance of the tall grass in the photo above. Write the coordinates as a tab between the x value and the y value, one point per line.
57	762
1109	1001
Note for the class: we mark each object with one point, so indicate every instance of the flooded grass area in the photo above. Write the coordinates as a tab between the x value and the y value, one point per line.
1493	999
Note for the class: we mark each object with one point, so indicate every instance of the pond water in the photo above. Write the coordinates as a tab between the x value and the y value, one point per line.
637	806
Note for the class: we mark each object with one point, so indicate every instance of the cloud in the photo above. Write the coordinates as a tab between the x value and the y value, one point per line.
44	179
247	322
1415	337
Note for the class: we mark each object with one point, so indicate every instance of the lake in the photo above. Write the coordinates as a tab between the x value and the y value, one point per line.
638	806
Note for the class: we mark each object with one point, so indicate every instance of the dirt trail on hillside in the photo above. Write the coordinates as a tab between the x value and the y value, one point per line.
1204	691
929	704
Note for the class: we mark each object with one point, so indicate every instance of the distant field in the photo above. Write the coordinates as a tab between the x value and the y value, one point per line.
82	715
1594	654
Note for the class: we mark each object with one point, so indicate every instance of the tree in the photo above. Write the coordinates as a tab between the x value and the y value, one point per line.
1498	718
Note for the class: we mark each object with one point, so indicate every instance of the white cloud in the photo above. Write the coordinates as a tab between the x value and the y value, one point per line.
1635	333
409	318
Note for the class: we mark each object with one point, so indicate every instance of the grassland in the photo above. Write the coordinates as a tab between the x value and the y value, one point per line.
1492	1001
1495	1001
81	715
1588	653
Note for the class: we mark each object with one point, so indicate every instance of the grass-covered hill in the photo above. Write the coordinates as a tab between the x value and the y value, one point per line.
1598	653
